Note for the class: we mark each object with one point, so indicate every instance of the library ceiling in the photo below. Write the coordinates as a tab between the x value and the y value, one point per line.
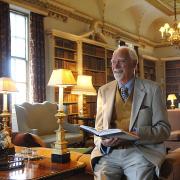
138	19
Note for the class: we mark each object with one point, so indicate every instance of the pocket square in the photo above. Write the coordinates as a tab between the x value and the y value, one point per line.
144	107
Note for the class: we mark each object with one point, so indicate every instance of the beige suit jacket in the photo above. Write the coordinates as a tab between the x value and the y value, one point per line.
148	114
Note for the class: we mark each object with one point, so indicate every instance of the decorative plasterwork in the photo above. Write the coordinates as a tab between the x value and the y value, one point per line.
166	6
58	11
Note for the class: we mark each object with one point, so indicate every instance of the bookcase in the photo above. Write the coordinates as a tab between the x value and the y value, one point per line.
65	56
149	67
172	73
88	57
94	63
109	72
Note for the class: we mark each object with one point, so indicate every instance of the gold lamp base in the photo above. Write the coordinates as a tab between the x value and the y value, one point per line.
6	146
60	152
172	106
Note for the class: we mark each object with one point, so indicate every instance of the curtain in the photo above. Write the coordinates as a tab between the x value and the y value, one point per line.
5	43
37	58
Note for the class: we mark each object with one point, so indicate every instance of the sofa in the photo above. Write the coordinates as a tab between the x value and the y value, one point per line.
38	118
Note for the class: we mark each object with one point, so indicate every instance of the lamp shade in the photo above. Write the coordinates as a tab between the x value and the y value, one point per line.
84	86
7	85
171	97
61	77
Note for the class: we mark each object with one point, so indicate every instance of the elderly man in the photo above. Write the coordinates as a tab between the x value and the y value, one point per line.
133	105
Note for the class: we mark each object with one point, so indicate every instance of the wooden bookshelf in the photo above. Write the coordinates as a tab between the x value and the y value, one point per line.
94	65
149	69
172	73
94	59
65	56
110	76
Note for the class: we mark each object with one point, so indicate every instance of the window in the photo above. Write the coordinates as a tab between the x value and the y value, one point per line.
19	55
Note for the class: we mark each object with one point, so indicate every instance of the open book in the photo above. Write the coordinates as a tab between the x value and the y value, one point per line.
109	133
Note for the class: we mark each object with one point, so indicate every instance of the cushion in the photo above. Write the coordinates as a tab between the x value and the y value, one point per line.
175	136
26	140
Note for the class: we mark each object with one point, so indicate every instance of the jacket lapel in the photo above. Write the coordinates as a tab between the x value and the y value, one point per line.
138	97
110	95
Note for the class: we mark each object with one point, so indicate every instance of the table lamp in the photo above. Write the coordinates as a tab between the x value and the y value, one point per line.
84	87
7	85
172	97
61	78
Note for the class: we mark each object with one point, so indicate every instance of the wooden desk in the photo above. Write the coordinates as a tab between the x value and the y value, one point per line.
43	169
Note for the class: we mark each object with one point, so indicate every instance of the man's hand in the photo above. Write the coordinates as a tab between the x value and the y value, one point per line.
111	142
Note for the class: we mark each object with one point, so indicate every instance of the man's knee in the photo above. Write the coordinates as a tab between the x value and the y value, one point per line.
107	172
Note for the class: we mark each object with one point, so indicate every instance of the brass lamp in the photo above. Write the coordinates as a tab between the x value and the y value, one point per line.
61	78
172	97
84	87
7	85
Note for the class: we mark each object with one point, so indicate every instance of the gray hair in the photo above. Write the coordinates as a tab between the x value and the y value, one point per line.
131	52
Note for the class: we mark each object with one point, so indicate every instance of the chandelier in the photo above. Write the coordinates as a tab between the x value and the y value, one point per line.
171	34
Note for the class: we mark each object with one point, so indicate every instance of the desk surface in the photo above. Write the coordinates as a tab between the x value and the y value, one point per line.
43	168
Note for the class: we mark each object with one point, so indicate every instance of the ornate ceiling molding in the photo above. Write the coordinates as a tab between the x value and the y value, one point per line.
161	6
61	12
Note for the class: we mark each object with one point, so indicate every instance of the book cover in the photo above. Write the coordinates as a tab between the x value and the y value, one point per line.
109	133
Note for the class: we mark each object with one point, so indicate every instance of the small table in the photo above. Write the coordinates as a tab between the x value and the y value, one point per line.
44	169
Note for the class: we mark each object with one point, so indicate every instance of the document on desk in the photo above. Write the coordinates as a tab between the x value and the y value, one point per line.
109	133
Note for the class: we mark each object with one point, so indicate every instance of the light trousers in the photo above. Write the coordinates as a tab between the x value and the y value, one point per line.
128	164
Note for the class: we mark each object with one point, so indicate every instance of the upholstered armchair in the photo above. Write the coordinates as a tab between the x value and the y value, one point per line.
39	118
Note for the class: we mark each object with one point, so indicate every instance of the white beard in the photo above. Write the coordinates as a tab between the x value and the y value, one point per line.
118	74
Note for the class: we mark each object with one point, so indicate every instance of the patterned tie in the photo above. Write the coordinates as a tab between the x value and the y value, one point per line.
124	93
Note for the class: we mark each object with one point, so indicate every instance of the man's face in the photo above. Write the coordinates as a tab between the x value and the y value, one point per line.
122	66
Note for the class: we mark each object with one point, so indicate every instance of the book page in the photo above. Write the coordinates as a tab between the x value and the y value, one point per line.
109	131
90	129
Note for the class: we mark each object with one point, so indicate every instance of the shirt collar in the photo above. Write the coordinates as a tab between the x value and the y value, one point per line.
128	85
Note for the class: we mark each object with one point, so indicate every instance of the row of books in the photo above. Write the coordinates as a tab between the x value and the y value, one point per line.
173	64
110	78
91	98
94	50
109	71
70	98
98	78
109	54
109	62
65	43
173	72
72	108
65	64
173	79
91	109
93	63
61	53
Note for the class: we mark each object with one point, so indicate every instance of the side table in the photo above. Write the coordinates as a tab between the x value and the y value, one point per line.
44	168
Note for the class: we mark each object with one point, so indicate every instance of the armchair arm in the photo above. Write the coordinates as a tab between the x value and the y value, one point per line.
170	167
33	131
